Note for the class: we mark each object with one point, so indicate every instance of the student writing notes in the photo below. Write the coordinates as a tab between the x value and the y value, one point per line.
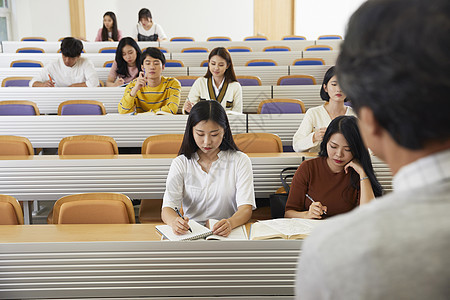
151	92
219	83
338	180
211	178
69	70
127	63
396	247
311	130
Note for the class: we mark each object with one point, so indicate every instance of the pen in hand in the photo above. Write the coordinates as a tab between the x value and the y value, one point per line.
178	213
312	200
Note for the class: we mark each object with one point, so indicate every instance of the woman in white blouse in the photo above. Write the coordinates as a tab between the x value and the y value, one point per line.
211	178
316	120
219	83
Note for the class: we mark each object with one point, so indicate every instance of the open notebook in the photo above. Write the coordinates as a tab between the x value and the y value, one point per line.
289	229
201	232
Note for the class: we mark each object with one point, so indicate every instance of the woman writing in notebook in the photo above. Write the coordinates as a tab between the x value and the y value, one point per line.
126	65
219	83
211	178
337	181
109	31
311	130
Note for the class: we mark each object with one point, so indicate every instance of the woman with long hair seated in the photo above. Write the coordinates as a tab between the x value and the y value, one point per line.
126	65
219	83
211	178
337	181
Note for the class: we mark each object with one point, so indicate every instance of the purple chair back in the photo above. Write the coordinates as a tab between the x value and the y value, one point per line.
17	110
186	82
248	82
81	109
281	108
296	81
17	82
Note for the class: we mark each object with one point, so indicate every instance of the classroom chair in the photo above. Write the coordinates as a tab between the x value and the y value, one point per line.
261	63
174	63
18	108
239	49
82	51
15	145
281	106
204	63
308	62
16	81
293	38
33	39
30	50
182	39
276	48
150	209
108	64
186	80
88	145
10	211
330	37
93	208
249	80
195	50
26	63
81	107
318	48
162	49
258	142
256	38
107	50
296	80
218	39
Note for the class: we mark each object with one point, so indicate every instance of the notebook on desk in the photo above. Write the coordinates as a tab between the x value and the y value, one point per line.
202	232
288	229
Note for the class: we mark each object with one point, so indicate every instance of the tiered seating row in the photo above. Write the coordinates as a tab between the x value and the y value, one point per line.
174	47
188	59
48	99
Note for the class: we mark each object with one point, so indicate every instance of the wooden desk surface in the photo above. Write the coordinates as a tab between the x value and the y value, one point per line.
80	233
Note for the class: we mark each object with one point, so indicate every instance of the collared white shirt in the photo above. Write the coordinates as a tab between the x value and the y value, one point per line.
217	194
217	89
423	172
63	76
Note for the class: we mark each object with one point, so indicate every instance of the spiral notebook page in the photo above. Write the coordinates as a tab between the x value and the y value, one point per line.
198	231
238	233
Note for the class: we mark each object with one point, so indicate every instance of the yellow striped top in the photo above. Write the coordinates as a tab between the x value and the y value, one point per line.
164	97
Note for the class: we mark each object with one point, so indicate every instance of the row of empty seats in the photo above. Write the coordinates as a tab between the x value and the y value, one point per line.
214	38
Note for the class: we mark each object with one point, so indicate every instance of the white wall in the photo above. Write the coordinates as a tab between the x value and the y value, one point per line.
197	18
319	17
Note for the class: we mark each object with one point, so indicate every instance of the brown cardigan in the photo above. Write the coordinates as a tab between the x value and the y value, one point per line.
315	178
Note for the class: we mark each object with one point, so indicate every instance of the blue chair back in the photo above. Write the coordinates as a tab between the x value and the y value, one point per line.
275	49
195	51
294	38
108	50
33	39
309	62
329	38
204	64
81	109
182	39
261	64
296	81
219	39
25	64
256	39
17	110
108	65
281	108
318	48
30	50
171	64
16	82
238	50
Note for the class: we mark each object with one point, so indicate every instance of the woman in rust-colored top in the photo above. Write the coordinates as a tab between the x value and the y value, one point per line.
337	181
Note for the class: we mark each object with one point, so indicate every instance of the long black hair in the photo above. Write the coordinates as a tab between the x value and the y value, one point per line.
348	127
229	75
206	110
115	31
122	66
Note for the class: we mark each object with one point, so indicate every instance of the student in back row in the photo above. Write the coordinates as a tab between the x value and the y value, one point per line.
150	91
70	70
146	29
109	31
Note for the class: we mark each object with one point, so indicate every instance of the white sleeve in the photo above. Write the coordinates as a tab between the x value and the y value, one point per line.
195	91
90	74
173	195
237	99
303	138
160	32
41	77
245	190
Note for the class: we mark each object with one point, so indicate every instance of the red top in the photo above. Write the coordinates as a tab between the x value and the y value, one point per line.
315	178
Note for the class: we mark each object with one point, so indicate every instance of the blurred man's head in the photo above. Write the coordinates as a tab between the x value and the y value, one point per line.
395	64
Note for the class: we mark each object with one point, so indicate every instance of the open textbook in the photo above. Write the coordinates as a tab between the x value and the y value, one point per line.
289	229
201	232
